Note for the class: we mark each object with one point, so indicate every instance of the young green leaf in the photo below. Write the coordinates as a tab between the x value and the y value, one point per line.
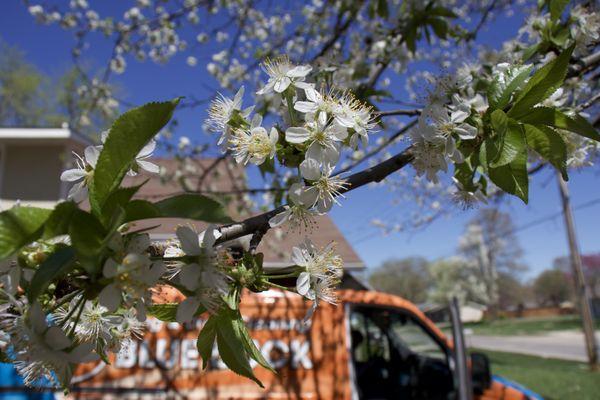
190	206
193	206
512	142
58	263
556	8
128	135
232	346
549	145
251	348
206	340
118	198
557	119
513	177
59	220
88	238
499	93
167	312
542	84
19	226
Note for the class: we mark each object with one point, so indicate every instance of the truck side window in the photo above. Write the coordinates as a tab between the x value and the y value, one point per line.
394	357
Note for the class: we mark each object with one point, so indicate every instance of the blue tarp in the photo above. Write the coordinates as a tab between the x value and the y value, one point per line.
10	379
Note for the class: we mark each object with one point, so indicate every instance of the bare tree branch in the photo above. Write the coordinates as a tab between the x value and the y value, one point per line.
374	174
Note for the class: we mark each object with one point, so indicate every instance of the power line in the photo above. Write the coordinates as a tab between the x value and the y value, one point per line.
523	227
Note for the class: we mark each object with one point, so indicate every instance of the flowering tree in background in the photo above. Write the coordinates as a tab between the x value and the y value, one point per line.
77	284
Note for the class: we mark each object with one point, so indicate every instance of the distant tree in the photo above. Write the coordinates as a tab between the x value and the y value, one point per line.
550	288
511	292
490	243
25	99
22	98
407	277
456	276
591	271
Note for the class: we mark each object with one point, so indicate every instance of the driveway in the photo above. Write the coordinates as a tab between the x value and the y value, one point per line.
567	345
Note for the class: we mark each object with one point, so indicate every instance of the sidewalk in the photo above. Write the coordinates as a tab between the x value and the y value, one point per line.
566	345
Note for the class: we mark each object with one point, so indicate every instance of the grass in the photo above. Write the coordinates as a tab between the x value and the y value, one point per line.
551	378
527	326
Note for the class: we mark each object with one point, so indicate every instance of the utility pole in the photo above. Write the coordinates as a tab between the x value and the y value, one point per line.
581	290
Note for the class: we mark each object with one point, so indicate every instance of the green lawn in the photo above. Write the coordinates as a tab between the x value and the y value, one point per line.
527	326
553	379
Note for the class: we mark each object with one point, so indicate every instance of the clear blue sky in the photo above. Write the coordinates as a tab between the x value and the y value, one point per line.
49	48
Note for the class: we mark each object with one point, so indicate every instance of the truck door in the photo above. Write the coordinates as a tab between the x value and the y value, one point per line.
394	356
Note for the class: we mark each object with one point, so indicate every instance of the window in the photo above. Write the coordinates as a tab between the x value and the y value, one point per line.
394	357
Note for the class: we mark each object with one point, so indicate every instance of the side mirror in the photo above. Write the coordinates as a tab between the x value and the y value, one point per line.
480	372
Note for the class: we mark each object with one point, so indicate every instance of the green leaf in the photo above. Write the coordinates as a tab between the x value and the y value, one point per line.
167	312
193	206
118	198
382	8
556	8
549	145
439	26
557	119
58	263
59	220
251	348
530	51
542	84
232	346
19	226
499	94
511	143
88	238
206	340
513	177
189	206
128	135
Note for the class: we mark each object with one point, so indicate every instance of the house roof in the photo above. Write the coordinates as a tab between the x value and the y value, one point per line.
221	180
41	135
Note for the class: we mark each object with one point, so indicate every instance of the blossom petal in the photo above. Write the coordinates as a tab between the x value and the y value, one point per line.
280	218
110	268
37	318
306	106
56	338
147	149
308	196
303	283
298	257
82	353
297	134
186	309
91	155
189	276
190	243
148	166
281	84
309	168
110	297
72	175
299	72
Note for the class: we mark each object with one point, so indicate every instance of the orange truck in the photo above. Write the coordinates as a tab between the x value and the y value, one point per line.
370	346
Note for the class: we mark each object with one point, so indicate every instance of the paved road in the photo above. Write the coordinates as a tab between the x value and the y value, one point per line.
568	345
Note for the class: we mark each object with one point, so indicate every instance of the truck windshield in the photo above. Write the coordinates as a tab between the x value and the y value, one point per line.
394	357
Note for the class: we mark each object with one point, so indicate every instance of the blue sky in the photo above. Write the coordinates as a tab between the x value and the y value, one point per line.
49	47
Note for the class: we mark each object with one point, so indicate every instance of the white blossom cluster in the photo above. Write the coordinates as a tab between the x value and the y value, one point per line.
316	125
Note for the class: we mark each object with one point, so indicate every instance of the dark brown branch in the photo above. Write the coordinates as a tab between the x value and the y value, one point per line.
374	174
398	112
377	149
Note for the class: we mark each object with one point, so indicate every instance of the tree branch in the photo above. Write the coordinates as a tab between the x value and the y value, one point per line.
374	174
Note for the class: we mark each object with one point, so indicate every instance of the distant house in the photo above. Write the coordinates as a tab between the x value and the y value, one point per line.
469	312
32	159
